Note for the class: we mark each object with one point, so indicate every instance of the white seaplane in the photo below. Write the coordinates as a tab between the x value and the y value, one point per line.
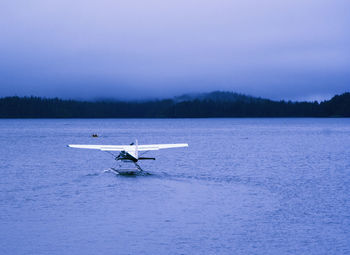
129	154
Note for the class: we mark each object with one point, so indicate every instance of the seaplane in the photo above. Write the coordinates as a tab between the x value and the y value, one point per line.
129	154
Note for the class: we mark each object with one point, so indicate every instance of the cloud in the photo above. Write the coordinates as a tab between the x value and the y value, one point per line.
134	49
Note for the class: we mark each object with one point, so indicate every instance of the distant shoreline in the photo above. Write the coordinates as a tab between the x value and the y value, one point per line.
210	105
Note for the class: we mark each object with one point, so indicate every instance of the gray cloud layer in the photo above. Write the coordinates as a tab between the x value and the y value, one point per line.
296	49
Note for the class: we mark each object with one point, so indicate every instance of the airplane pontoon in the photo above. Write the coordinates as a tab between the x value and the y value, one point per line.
129	154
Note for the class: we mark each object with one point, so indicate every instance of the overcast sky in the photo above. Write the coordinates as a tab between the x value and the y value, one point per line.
290	49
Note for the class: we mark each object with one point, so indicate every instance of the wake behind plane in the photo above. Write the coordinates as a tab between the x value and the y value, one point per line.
129	154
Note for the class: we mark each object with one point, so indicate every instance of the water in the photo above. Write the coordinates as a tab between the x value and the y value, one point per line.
243	186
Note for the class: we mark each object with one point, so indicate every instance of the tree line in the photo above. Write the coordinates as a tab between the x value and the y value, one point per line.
204	107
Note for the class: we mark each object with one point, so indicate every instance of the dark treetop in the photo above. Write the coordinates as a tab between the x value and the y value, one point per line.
215	104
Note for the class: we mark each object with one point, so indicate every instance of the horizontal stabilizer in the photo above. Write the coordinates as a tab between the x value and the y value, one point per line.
144	158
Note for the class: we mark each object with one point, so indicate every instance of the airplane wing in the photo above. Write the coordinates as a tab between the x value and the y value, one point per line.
103	147
149	147
153	147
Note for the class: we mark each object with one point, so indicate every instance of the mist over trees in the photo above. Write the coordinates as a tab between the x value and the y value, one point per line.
208	105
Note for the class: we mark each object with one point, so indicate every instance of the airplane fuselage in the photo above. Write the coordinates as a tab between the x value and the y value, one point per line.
125	156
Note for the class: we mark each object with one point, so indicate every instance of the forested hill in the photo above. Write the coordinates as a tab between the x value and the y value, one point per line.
215	104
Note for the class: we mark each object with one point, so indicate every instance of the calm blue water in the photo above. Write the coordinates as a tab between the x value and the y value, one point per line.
244	186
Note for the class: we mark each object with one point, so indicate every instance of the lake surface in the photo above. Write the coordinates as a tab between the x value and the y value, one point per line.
243	186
